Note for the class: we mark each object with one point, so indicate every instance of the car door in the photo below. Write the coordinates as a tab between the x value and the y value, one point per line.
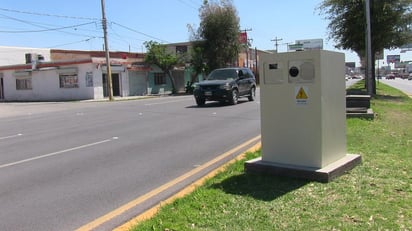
247	81
241	82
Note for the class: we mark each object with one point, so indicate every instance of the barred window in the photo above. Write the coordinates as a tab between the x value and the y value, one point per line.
89	79
23	84
159	78
68	81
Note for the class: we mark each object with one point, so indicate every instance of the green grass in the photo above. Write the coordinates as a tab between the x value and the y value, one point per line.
376	195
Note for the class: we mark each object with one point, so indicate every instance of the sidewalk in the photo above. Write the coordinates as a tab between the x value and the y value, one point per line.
12	109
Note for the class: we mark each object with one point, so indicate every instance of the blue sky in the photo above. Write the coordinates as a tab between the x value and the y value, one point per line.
76	24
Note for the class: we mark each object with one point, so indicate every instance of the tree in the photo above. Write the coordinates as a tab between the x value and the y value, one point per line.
390	25
159	55
216	42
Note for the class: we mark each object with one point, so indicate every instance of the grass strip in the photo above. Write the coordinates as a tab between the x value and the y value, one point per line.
376	195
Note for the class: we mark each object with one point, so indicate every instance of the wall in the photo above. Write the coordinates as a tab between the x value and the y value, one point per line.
46	85
137	83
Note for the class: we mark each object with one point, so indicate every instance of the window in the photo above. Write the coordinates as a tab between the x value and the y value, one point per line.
159	78
89	79
69	80
23	84
181	49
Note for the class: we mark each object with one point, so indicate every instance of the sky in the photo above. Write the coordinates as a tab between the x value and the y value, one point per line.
77	24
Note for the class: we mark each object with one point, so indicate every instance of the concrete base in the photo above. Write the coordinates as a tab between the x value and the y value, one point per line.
325	174
358	101
366	113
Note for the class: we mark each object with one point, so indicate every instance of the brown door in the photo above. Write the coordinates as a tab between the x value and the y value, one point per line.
1	89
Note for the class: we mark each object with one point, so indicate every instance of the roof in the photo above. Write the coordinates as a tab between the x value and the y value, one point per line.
112	54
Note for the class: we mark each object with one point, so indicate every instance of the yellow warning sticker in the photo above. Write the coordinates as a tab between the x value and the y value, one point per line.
301	94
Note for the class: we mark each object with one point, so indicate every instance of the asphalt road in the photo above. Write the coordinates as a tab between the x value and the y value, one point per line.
63	165
401	84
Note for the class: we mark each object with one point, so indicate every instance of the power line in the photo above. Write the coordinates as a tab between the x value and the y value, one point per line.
40	25
50	29
48	15
188	4
150	36
81	41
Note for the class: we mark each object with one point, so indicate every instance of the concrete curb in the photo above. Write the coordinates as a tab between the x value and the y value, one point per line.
185	191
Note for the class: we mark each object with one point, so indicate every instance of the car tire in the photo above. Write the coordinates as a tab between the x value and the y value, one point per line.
235	96
200	101
252	94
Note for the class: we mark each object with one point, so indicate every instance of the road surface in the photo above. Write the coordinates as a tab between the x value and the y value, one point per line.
401	84
63	165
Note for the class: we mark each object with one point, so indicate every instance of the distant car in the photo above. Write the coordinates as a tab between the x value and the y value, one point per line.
390	76
226	85
410	76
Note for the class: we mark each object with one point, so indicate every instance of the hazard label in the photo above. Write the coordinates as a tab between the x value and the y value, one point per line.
301	95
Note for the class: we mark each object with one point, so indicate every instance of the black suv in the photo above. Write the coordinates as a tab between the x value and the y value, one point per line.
226	85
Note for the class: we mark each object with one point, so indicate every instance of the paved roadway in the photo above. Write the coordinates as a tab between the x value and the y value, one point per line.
62	165
401	84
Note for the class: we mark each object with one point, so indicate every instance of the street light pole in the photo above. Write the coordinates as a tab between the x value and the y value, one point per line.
369	83
106	48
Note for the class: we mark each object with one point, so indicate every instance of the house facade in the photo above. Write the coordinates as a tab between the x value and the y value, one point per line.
79	78
80	75
59	75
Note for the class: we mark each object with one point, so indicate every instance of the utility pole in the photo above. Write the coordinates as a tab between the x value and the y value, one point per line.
276	40
106	48
249	41
247	46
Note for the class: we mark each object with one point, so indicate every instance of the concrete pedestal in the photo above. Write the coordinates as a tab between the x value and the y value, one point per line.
325	174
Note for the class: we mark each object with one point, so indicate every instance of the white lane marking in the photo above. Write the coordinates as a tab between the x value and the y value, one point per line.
12	136
172	101
56	153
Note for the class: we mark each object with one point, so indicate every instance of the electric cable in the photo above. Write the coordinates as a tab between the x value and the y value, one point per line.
149	36
48	15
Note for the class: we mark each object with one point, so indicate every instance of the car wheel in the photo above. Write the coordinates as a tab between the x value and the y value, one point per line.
235	97
252	94
200	101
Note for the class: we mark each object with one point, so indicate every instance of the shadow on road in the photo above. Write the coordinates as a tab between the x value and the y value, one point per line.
216	104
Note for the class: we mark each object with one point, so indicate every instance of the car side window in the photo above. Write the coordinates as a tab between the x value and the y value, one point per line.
246	73
241	74
251	75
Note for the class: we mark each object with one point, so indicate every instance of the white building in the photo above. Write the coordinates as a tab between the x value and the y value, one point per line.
72	75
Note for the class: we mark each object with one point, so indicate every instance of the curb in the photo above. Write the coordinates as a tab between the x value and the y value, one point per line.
185	191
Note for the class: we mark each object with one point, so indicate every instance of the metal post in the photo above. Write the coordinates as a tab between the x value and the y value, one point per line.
106	48
369	83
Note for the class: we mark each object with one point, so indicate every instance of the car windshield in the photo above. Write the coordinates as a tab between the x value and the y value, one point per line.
223	74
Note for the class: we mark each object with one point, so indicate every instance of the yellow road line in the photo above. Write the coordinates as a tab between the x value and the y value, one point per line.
107	217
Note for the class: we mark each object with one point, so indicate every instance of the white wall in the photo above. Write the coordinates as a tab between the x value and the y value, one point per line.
46	86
